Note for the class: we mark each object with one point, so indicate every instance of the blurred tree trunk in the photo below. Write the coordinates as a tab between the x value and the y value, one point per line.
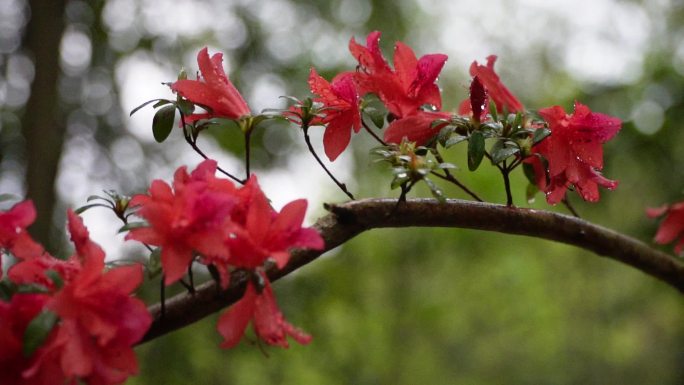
43	126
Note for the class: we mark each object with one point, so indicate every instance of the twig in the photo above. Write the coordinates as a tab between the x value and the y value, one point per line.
352	218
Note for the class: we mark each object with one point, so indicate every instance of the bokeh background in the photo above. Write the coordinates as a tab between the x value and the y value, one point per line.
405	306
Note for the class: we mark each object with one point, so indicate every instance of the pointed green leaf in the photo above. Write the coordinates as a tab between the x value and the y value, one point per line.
476	150
162	124
454	140
185	107
154	266
500	151
540	134
38	331
493	112
82	209
133	225
530	192
143	105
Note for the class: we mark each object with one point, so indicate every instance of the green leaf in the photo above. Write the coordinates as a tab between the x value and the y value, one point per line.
540	134
55	278
133	225
454	139
186	107
530	192
8	197
154	267
476	150
38	331
7	289
162	124
501	152
493	112
376	116
435	190
82	209
528	170
143	105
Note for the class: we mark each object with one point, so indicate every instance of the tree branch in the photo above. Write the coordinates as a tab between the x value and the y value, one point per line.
347	220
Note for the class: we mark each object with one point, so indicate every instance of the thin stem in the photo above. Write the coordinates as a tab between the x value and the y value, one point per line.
162	297
248	136
373	134
450	178
191	139
339	184
191	277
507	184
567	204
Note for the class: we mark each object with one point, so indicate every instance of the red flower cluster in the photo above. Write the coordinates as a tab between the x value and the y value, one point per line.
94	319
215	92
574	152
405	90
210	219
672	227
494	88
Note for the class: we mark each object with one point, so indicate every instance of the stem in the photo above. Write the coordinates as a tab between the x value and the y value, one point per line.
507	185
567	204
191	139
339	184
162	298
450	178
373	134
248	136
350	219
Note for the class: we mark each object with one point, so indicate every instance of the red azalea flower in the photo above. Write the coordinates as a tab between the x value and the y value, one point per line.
405	89
672	227
193	217
98	322
13	234
268	322
417	128
266	233
14	318
502	97
574	152
341	107
215	92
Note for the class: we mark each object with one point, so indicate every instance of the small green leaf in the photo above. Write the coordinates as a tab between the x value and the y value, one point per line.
7	289
186	107
454	139
530	192
162	124
143	105
493	112
8	197
82	209
133	225
528	170
435	190
501	152
540	134
154	266
476	150
38	331
55	278
376	116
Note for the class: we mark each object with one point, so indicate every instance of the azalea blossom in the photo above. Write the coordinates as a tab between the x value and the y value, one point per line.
258	305
97	319
574	152
214	92
672	227
419	128
340	101
14	236
193	217
497	91
404	89
15	316
267	234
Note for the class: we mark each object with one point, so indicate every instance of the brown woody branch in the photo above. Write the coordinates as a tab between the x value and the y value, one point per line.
349	219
